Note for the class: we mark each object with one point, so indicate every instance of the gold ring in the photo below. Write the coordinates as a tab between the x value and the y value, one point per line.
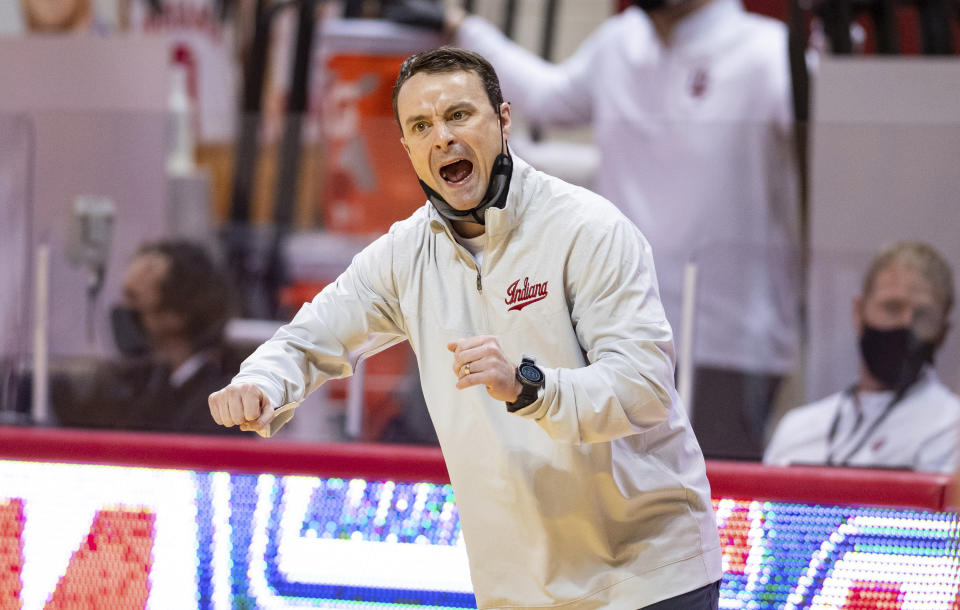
466	368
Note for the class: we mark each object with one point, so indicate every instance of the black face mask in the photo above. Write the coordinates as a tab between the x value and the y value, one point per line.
128	331
495	197
650	5
895	356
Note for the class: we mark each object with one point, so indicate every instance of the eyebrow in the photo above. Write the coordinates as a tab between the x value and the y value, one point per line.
464	105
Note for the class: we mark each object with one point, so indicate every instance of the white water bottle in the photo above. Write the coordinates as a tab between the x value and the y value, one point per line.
180	160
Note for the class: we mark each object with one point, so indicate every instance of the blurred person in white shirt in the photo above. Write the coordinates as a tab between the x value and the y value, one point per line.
690	105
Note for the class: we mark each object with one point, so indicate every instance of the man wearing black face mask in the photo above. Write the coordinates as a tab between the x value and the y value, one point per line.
168	328
898	414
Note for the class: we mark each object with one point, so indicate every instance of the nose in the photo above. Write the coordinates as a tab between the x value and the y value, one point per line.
443	137
906	317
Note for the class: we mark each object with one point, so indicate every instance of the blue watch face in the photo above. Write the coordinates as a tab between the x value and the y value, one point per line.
531	373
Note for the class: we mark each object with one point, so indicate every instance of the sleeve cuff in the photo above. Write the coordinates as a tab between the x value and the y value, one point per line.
283	410
474	28
538	408
274	394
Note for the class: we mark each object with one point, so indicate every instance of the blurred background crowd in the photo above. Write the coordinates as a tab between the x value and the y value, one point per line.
178	176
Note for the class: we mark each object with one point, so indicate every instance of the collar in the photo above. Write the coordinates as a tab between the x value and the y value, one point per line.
699	33
189	368
876	418
927	377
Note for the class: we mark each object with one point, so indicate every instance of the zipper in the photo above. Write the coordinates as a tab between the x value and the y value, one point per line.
482	304
469	257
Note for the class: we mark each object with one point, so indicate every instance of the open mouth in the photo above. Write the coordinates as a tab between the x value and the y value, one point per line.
456	172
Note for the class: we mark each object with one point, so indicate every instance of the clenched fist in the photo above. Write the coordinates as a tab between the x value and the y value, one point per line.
481	361
241	404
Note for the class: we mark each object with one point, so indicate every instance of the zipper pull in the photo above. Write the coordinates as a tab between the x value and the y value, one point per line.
479	283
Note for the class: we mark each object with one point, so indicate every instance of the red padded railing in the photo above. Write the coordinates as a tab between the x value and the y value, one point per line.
812	485
250	454
246	453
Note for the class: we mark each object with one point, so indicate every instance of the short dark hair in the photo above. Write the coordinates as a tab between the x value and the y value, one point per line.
195	287
449	59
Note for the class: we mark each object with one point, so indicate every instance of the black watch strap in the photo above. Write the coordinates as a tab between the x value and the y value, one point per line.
531	380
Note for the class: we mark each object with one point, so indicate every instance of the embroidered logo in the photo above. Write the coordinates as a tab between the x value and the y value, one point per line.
699	82
519	296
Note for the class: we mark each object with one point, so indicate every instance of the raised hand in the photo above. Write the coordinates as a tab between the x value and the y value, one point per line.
241	404
481	361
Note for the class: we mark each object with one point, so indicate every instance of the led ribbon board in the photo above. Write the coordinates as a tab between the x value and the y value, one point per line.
117	537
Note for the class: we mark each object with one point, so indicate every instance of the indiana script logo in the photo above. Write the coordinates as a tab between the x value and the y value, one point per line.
519	296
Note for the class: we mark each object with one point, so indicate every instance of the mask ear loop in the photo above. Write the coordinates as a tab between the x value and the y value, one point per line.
500	123
499	180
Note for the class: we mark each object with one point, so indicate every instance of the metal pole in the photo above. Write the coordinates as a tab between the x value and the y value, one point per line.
289	160
837	17
41	358
354	416
799	33
510	18
687	323
885	19
245	153
546	50
935	27
288	170
549	29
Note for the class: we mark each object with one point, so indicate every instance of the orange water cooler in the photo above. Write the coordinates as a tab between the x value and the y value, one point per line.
368	183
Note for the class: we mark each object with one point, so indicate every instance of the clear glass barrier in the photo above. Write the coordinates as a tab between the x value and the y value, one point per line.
730	204
16	171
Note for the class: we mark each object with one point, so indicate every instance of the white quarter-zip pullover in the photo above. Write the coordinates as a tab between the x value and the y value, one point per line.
595	495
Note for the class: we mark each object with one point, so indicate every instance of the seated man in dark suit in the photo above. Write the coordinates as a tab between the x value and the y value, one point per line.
169	327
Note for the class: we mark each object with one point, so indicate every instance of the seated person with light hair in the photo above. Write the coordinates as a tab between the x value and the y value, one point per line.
897	414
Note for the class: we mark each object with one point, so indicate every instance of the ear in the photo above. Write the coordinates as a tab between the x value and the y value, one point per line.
505	118
943	335
858	315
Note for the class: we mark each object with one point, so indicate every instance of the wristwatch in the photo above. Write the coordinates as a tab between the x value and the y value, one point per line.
531	381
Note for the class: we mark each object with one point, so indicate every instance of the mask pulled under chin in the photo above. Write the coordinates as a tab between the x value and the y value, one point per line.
495	197
895	356
128	331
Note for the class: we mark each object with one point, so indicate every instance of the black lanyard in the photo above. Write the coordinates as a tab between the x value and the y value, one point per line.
851	393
